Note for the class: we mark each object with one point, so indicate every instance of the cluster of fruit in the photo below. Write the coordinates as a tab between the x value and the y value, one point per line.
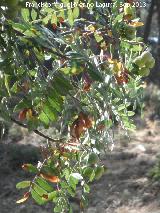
145	62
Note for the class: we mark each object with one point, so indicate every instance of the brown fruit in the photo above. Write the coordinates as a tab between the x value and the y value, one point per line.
80	125
22	114
122	77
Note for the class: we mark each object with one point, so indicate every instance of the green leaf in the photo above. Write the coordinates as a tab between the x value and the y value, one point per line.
137	48
73	182
86	188
54	19
108	123
24	103
19	27
39	190
44	118
23	184
42	183
84	201
62	85
62	13
119	18
33	14
46	19
71	191
32	124
89	173
25	14
14	87
70	17
30	168
52	196
94	73
37	198
50	112
130	113
55	104
98	37
7	82
30	33
76	12
55	100
66	70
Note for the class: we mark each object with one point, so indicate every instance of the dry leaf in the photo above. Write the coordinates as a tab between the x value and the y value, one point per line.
53	179
136	24
25	198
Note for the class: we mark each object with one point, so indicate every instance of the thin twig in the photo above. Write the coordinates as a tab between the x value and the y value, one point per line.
36	131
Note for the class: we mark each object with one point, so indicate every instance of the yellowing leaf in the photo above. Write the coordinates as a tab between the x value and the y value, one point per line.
91	28
29	113
25	198
112	61
116	65
136	24
110	33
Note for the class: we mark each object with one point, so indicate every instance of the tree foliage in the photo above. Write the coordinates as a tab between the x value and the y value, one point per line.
76	69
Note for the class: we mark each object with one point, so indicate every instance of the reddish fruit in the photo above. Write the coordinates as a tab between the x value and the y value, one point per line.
86	87
88	122
122	77
80	125
22	114
77	128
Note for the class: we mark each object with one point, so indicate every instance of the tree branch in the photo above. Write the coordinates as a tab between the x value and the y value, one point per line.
36	131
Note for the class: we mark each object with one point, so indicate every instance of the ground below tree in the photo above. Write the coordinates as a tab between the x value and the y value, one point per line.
125	188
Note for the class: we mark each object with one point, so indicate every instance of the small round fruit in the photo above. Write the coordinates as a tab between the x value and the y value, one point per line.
146	56
139	61
144	72
150	64
93	158
99	172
